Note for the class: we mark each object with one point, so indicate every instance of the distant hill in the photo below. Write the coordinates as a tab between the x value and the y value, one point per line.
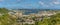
34	9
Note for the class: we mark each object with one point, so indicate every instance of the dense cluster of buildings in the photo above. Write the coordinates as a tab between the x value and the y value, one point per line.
31	18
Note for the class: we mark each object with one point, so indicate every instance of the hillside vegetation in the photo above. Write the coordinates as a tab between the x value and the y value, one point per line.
54	20
5	19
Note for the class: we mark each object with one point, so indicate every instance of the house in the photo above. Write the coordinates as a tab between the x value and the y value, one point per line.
1	14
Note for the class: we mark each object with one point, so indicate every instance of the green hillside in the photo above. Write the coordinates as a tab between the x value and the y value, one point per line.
3	10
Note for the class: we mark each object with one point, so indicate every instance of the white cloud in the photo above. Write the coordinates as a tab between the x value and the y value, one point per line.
43	4
56	2
40	2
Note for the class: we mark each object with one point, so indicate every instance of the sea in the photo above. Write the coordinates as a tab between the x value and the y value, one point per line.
29	11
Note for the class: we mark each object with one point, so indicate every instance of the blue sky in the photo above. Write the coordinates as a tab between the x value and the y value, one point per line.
38	4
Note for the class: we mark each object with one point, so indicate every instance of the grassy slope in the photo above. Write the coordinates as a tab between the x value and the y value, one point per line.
54	20
5	19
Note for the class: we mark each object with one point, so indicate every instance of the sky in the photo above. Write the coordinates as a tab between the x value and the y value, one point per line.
29	4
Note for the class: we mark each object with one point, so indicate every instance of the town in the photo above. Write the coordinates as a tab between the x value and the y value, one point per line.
32	18
19	17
